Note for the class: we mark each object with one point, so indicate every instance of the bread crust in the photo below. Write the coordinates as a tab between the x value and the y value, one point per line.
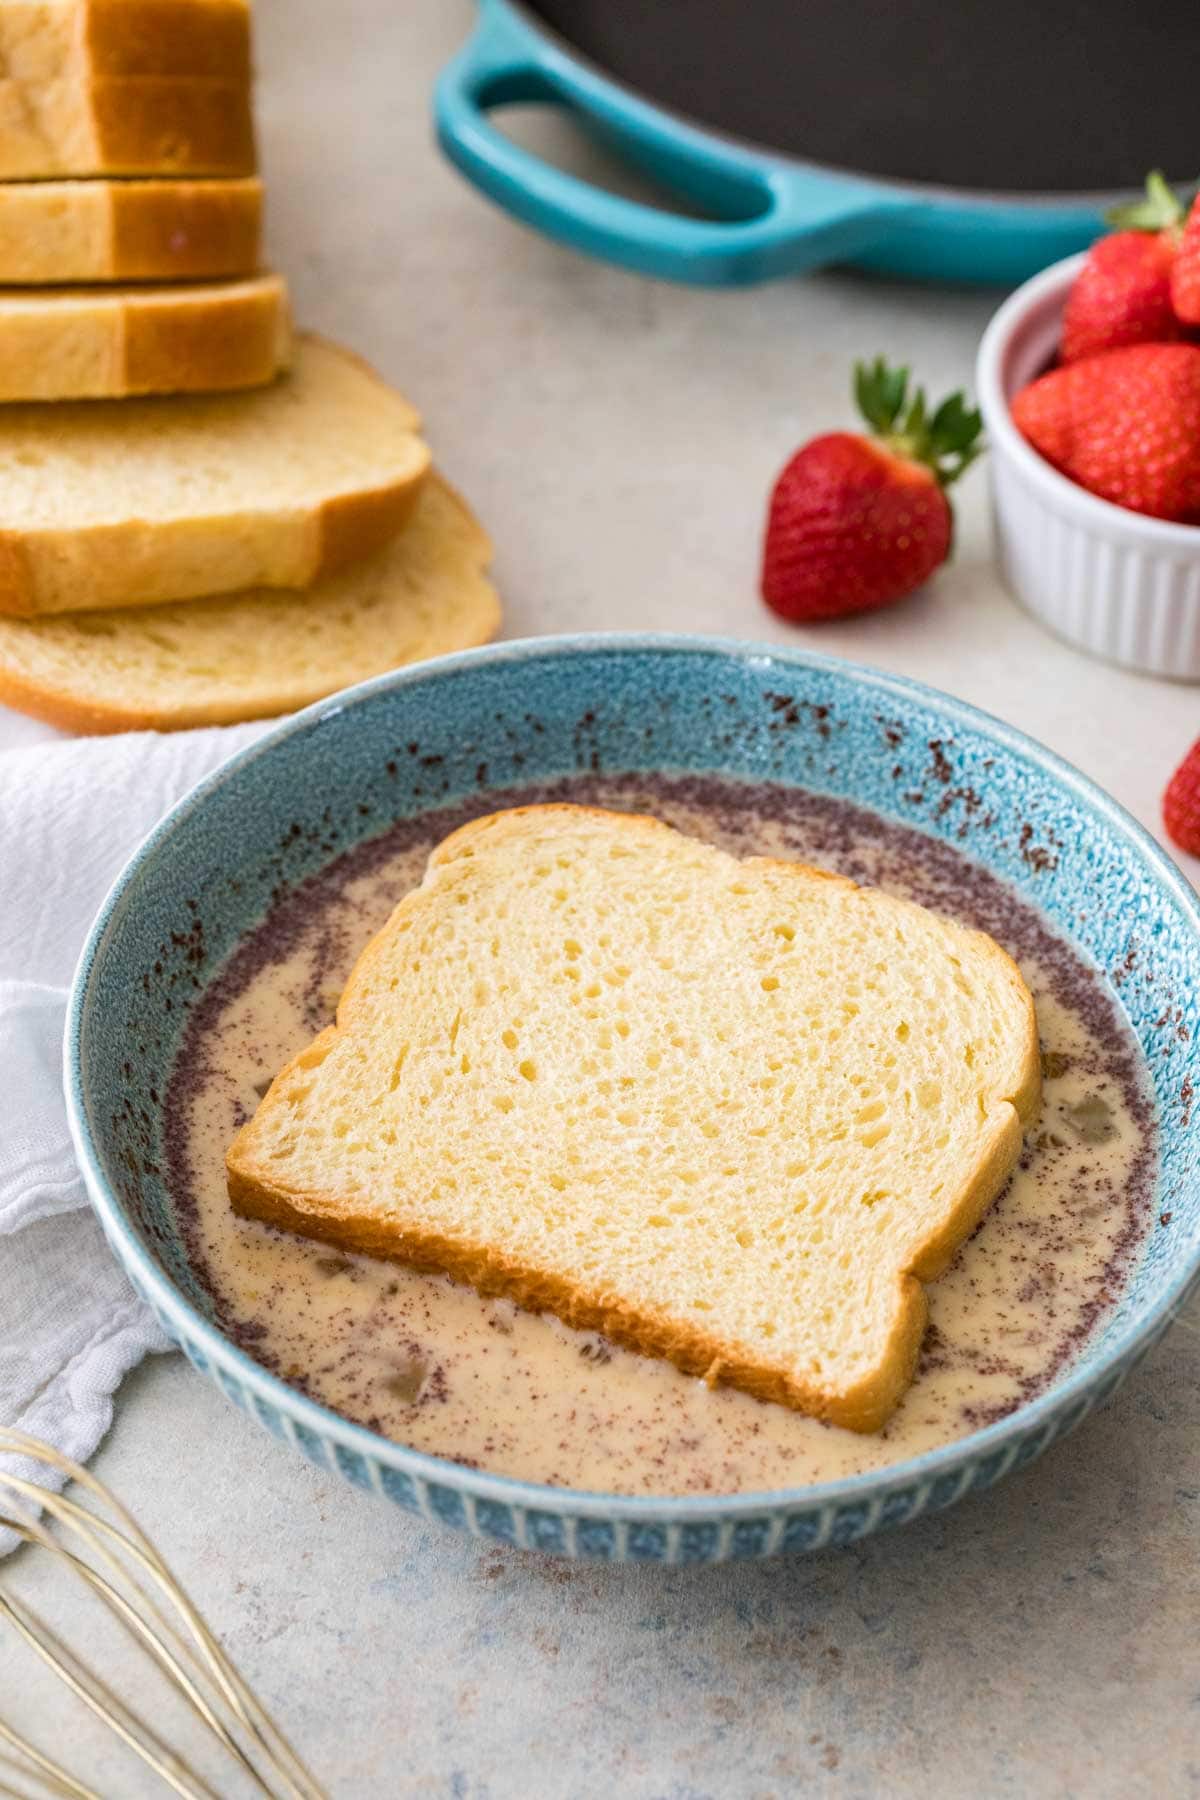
134	562
351	526
183	230
55	232
230	705
69	712
18	575
107	343
125	125
863	1407
237	336
197	38
297	554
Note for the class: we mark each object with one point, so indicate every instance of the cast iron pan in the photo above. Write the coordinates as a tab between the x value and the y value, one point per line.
1007	96
960	139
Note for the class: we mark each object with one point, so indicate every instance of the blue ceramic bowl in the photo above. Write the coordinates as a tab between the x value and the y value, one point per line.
208	873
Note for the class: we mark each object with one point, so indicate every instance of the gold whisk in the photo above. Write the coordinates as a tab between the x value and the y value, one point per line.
103	1548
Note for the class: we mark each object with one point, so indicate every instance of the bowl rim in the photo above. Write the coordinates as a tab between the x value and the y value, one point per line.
1076	1385
1057	490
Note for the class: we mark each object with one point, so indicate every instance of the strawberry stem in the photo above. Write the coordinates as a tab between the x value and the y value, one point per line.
947	442
1159	210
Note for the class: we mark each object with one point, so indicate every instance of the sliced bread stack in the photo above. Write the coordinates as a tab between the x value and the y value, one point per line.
168	459
127	158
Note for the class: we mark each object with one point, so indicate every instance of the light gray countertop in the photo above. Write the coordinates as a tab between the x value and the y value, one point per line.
618	438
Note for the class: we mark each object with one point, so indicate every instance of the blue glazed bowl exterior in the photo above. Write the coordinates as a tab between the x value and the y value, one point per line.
477	723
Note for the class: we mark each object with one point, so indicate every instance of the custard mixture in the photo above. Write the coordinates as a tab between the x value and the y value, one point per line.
433	1365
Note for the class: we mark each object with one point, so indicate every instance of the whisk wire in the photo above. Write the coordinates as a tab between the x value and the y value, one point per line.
50	1771
50	1786
55	1779
100	1698
207	1658
191	1660
134	1542
141	1632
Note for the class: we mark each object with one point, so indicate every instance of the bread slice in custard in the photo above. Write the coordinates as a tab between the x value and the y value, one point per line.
731	1113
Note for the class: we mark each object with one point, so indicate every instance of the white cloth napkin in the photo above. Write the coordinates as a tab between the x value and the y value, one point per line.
71	812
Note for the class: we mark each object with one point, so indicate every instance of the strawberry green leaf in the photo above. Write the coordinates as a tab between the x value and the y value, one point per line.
880	392
1159	210
953	428
915	427
947	442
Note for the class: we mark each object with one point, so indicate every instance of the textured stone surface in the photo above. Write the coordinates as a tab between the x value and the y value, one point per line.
1035	1641
618	439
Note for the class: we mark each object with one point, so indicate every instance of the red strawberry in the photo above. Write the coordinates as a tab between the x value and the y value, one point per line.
1185	276
855	522
1125	426
1181	803
1122	295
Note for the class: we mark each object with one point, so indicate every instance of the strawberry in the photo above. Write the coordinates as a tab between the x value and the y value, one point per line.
1122	295
856	522
1125	426
1185	276
1181	803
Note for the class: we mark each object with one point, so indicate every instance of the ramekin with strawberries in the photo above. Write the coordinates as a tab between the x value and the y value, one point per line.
1089	384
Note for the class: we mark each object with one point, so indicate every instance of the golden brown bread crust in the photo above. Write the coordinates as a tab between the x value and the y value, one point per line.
45	40
58	232
109	342
179	230
18	578
346	527
72	712
340	529
865	1407
198	38
225	338
147	126
352	525
68	712
135	125
675	1341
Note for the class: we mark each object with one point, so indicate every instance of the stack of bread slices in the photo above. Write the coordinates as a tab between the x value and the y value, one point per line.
170	456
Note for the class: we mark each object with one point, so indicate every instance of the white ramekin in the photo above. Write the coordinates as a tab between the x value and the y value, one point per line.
1119	585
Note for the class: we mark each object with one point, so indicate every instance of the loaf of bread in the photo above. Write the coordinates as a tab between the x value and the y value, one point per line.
154	230
732	1113
124	503
249	656
45	40
125	125
91	343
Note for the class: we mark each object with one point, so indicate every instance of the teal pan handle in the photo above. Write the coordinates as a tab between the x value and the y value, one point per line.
773	217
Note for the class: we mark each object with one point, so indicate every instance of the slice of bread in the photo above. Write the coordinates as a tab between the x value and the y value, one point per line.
68	231
43	40
105	342
127	502
249	656
125	125
730	1113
